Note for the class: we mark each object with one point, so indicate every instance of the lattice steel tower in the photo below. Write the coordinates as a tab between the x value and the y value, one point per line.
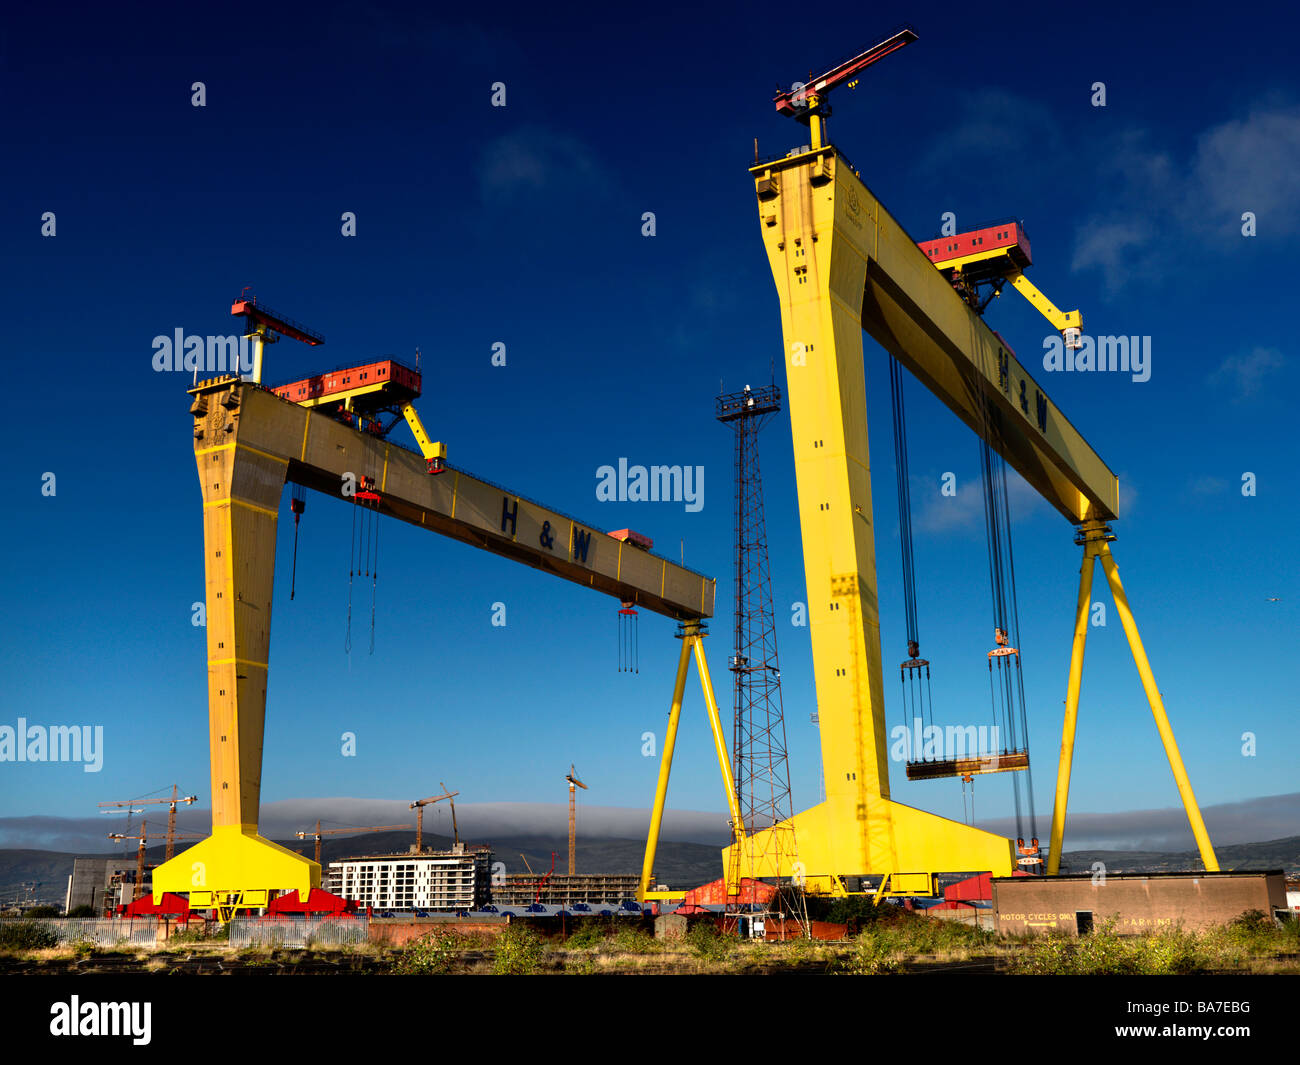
762	772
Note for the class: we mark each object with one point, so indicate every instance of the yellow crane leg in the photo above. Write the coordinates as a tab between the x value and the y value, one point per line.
1071	704
1158	710
665	768
236	866
724	760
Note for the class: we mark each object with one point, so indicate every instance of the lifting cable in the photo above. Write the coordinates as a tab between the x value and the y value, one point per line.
917	702
297	504
629	650
1006	692
352	554
374	574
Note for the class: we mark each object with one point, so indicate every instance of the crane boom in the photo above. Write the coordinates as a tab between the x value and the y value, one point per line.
789	101
419	805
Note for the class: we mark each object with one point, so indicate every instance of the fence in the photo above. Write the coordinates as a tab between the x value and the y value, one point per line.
298	931
103	932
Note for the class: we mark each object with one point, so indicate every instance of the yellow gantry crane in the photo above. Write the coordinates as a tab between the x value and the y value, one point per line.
249	442
842	265
571	778
419	805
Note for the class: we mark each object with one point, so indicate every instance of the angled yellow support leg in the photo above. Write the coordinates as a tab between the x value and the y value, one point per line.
1089	534
1158	711
724	760
665	769
692	637
880	891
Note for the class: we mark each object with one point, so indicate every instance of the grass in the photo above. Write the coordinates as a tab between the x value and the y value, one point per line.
1250	943
890	942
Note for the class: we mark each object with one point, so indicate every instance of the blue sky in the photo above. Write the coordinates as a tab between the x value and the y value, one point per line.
522	225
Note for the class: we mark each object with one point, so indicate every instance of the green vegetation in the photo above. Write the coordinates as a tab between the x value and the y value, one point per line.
83	911
590	934
1245	943
708	944
628	940
193	933
26	935
888	941
430	955
519	952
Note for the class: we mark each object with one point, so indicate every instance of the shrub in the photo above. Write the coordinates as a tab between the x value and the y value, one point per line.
194	932
26	935
873	953
589	934
429	955
82	948
519	952
83	911
1044	955
708	944
1170	953
42	911
635	941
1104	951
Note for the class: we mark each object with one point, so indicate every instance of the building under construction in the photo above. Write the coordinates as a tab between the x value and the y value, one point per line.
579	889
449	881
100	883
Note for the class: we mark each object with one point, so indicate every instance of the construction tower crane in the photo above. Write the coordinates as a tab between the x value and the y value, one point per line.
318	832
171	814
571	777
143	836
419	805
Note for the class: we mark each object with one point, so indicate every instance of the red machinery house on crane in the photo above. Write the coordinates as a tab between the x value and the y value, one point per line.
1009	234
355	395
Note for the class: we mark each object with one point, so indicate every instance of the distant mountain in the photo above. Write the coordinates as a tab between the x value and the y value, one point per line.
679	865
1271	854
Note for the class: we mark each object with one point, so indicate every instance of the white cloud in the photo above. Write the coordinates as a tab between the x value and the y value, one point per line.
1160	206
1242	376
